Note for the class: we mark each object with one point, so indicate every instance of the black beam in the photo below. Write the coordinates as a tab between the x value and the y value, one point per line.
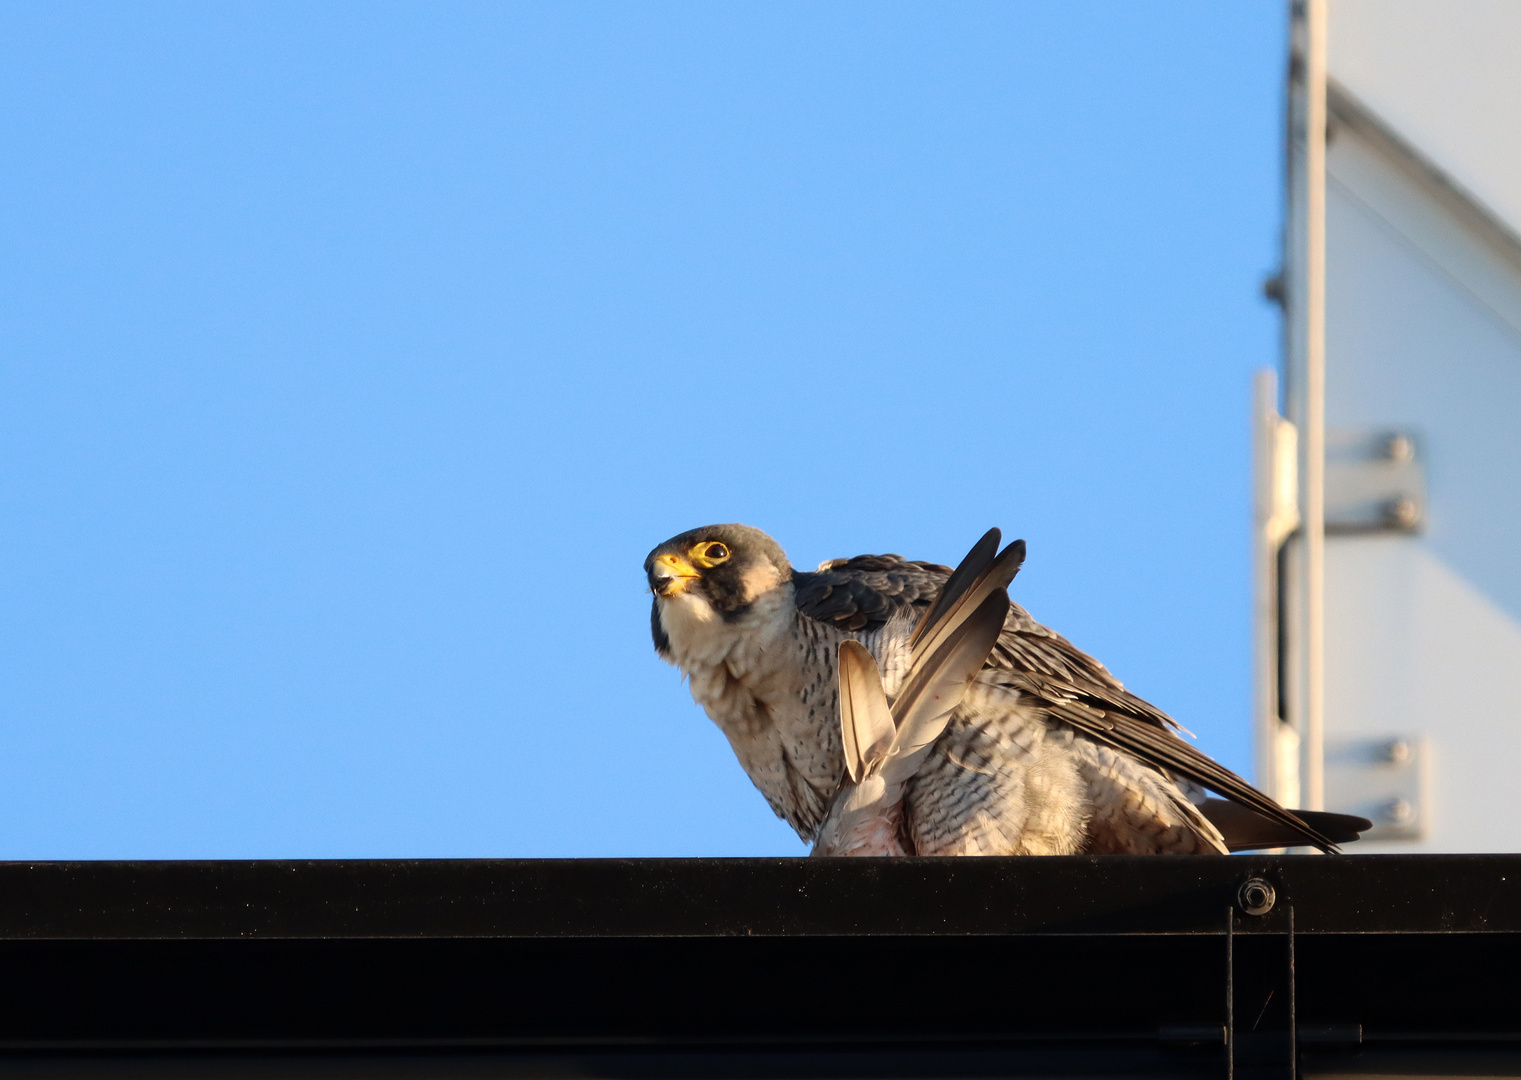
759	966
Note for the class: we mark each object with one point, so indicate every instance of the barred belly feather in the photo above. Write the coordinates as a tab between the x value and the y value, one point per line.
999	782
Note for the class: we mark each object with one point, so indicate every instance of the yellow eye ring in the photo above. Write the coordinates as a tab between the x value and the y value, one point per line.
712	553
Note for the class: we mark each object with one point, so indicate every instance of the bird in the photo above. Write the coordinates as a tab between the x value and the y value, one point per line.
1044	751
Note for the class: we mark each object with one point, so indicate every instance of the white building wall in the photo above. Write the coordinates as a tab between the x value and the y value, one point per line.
1445	74
1423	335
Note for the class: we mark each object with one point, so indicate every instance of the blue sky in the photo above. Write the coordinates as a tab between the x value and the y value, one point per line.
352	356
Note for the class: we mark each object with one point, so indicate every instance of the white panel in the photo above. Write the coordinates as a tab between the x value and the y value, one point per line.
1446	74
1412	345
1413	649
1390	192
1424	632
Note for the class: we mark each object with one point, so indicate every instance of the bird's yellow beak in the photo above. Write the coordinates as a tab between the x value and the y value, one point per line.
670	573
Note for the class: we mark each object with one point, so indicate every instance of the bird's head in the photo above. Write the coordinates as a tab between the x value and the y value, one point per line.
711	574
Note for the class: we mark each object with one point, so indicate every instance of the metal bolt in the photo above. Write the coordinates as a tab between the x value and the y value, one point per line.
1400	448
1256	897
1397	752
1402	513
1397	812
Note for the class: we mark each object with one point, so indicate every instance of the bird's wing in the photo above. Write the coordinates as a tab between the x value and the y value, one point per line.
952	641
935	684
1026	645
974	566
950	645
862	594
1077	690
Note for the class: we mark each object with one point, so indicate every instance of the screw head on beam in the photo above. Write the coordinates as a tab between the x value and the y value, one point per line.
1256	897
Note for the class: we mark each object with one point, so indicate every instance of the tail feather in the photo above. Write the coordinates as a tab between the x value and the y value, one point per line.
1246	830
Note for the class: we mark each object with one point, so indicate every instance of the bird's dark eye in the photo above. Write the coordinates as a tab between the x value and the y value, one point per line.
717	552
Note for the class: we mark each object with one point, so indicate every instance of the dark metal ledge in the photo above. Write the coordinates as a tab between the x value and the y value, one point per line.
762	967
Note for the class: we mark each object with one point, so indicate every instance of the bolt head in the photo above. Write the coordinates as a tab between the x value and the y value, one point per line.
1397	812
1402	513
1400	448
1256	897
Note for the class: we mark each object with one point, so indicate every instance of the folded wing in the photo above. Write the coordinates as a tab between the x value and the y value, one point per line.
885	744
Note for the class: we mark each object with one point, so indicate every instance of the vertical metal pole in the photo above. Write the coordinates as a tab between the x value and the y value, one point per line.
1313	732
1293	1007
1230	993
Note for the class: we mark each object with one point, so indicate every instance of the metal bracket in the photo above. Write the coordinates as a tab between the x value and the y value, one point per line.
1232	1047
1375	482
1385	780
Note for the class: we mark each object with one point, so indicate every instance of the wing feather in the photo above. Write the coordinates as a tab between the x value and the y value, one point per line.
866	721
978	577
974	566
935	685
1124	721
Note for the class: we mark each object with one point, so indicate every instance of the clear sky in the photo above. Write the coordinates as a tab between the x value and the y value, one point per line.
352	357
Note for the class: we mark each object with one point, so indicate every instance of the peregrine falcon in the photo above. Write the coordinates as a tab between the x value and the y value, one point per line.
1044	751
